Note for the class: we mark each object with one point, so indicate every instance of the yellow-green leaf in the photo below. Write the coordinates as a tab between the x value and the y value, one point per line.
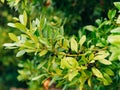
65	43
72	74
104	61
20	53
20	27
74	45
11	24
90	28
109	71
97	73
82	40
2	1
43	52
13	37
25	17
69	62
16	2
89	82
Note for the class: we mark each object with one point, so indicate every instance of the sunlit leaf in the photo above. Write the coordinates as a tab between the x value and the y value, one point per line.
13	37
74	45
38	77
114	39
104	61
69	62
90	28
89	82
43	52
118	20
97	73
20	53
117	4
72	74
20	27
115	30
11	24
2	1
82	40
16	2
25	17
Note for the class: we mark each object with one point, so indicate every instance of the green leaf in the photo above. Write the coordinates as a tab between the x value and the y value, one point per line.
91	56
20	27
11	24
101	55
115	30
107	77
13	37
72	74
117	4
104	61
82	40
69	62
113	39
25	17
16	2
65	43
74	45
111	14
2	1
90	28
20	53
89	82
40	65
82	80
105	82
43	52
97	73
61	30
38	77
118	20
42	22
109	71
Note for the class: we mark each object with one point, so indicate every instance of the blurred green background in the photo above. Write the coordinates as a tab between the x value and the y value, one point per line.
78	13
